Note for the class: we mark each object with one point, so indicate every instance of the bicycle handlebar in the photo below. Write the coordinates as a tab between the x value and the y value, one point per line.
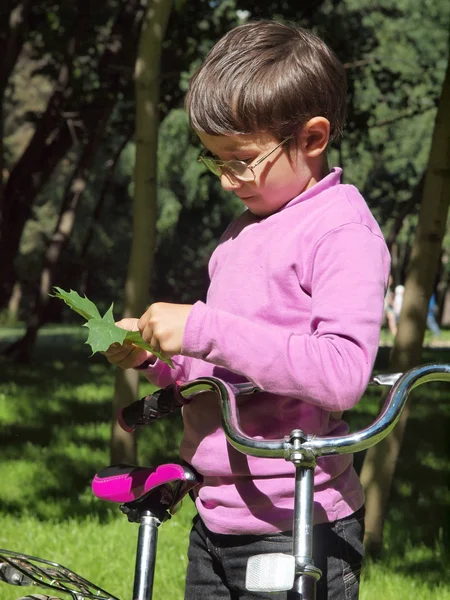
389	416
402	385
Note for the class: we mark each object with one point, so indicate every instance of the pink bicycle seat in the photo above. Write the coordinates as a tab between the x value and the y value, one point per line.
127	483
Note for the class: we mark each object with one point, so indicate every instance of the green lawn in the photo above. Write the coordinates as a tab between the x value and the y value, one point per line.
54	436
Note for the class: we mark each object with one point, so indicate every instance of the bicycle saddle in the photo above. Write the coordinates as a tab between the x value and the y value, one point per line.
129	483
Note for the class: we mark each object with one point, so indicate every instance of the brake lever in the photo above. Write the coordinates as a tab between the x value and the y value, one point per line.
388	379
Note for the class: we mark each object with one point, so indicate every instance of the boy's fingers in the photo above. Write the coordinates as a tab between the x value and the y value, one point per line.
113	350
116	347
154	343
118	353
127	355
128	323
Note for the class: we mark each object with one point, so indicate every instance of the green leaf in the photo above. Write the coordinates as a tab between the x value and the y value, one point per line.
82	306
102	330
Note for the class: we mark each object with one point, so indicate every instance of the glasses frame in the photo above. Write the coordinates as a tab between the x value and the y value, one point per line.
217	167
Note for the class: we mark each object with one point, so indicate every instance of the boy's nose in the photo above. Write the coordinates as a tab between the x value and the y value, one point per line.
229	182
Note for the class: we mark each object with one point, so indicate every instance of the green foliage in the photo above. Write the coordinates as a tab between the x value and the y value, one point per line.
193	213
395	58
103	332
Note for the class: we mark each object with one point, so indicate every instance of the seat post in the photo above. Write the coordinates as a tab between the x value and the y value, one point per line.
146	556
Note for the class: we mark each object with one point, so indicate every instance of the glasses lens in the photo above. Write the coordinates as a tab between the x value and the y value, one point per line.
211	164
237	168
240	169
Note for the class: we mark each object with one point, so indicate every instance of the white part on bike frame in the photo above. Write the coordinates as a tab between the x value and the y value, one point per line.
270	573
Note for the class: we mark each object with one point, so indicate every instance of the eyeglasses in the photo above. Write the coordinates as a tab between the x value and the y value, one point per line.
237	168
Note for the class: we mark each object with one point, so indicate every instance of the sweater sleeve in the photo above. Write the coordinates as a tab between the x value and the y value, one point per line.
160	374
330	365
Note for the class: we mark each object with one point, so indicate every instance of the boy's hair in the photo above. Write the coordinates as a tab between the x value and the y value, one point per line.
265	76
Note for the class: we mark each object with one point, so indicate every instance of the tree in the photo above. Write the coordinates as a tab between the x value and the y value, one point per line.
80	49
144	204
13	27
29	173
95	117
76	185
73	98
379	464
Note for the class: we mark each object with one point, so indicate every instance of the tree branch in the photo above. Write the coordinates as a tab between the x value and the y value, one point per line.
414	113
15	24
407	209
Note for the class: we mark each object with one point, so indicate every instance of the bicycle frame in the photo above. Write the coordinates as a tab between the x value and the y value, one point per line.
303	450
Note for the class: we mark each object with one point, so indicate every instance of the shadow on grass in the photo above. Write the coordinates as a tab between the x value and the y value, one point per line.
55	431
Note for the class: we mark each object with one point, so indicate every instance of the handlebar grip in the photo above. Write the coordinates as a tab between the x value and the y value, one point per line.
154	406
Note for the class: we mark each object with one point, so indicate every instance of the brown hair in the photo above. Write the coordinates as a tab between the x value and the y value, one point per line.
265	76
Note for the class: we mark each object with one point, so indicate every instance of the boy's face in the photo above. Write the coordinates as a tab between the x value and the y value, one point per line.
278	178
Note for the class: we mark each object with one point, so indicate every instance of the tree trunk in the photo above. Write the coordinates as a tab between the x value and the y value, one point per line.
14	304
96	214
53	137
13	23
407	209
38	161
380	462
23	348
123	445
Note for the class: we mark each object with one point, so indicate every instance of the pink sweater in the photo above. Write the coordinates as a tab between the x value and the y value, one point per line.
295	305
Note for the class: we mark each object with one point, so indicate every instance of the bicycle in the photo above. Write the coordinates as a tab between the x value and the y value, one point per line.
149	496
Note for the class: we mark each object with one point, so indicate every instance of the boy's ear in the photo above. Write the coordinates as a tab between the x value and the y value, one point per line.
315	136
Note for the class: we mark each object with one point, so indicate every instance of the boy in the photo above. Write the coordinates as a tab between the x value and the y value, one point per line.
295	304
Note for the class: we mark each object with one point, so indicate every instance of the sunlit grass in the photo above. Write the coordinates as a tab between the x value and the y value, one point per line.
103	553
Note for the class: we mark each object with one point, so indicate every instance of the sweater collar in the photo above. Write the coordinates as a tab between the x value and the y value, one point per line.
333	178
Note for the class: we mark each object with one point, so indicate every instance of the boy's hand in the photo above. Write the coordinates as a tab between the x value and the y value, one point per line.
162	326
127	355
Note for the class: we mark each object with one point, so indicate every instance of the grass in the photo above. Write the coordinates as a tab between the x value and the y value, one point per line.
54	435
102	552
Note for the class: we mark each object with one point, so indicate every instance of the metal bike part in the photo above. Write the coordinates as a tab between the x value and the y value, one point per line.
387	379
39	597
327	446
146	556
302	531
52	576
389	417
230	419
297	572
10	575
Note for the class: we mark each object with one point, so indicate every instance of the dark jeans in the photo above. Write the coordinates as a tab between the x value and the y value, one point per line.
217	563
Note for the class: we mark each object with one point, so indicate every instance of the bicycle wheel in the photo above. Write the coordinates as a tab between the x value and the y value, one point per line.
39	597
